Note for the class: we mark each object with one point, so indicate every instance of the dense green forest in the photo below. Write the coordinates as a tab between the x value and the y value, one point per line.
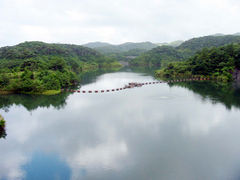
162	55
127	51
197	44
158	56
215	62
37	67
127	55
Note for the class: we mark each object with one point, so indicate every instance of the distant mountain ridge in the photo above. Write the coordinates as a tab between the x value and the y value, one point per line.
221	34
196	44
165	54
173	44
107	48
35	49
125	51
237	34
96	44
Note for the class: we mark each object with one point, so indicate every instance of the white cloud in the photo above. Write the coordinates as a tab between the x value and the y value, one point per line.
114	21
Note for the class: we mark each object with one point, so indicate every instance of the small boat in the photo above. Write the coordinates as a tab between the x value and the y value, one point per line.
133	85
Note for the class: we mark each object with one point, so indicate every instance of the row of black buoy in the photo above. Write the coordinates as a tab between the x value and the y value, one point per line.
133	85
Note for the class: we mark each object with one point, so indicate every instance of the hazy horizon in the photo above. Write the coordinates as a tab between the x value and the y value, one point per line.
118	43
115	22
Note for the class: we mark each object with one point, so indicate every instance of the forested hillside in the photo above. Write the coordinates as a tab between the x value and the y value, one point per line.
215	62
38	67
157	56
121	52
163	55
110	49
196	44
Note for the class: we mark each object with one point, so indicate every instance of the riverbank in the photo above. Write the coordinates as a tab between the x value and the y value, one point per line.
221	77
47	68
221	63
5	92
48	92
114	66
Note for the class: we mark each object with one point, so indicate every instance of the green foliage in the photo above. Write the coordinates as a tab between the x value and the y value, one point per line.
216	62
4	79
126	55
163	55
158	55
123	48
37	67
2	121
122	52
197	44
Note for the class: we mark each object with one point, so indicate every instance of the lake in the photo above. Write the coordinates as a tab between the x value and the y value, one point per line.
185	130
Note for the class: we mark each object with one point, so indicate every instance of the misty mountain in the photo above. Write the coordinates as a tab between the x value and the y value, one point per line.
107	48
165	54
197	44
96	44
221	34
173	44
237	34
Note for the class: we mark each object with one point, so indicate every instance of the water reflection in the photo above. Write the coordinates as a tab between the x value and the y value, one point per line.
32	102
49	166
142	70
3	133
89	77
227	94
154	132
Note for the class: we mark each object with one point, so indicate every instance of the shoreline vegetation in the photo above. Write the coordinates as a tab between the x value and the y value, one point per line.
214	56
112	67
42	68
222	64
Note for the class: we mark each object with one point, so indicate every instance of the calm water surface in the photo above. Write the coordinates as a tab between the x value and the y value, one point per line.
184	131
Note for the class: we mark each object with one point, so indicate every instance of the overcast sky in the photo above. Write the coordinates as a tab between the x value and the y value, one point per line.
115	21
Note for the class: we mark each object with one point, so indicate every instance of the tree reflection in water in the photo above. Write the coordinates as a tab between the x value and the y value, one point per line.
218	92
32	102
3	133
